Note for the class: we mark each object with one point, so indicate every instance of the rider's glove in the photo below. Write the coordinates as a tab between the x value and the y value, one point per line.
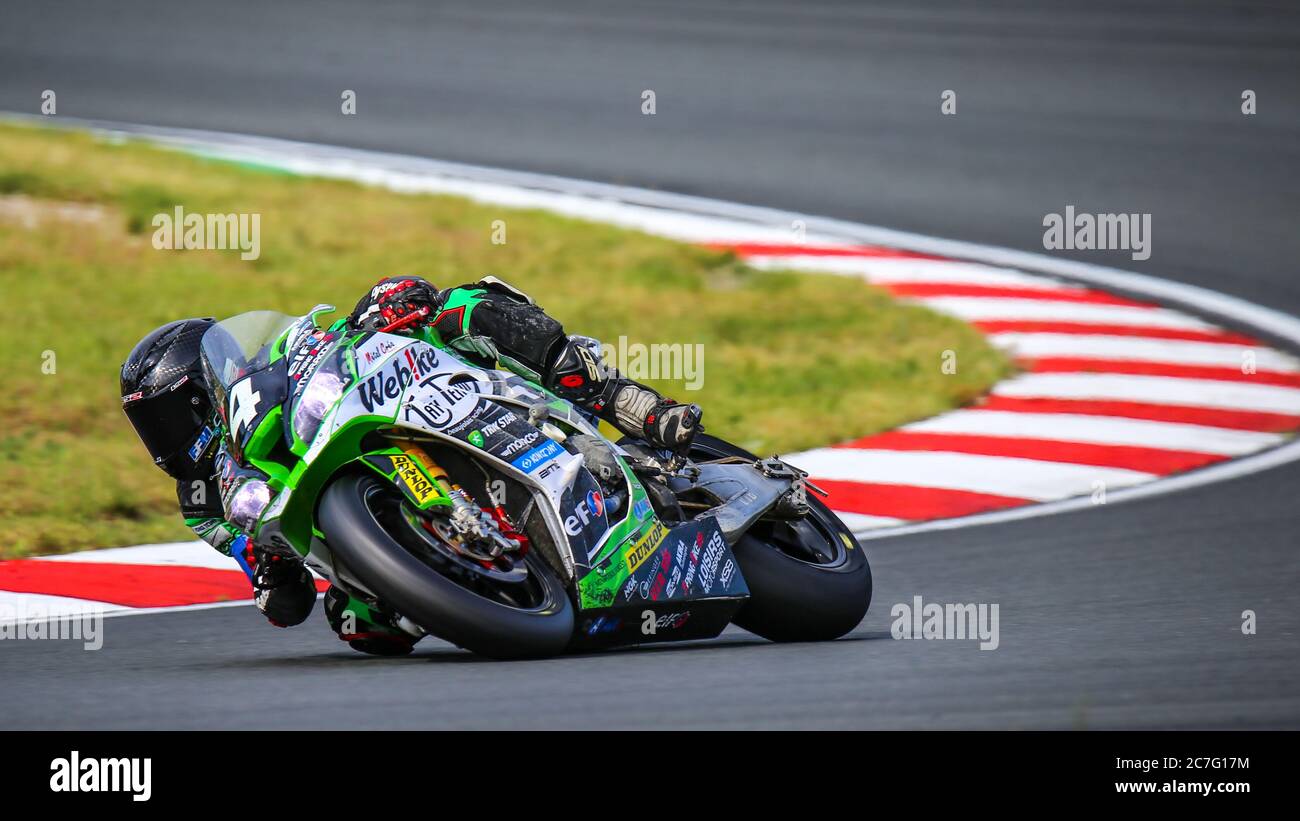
406	303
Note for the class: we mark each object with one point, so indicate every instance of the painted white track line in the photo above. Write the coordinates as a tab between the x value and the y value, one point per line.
973	309
1175	351
1163	390
1031	479
1098	430
181	554
898	270
1047	440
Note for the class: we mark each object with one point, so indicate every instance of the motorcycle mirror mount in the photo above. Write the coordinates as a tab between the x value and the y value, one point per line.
538	414
321	308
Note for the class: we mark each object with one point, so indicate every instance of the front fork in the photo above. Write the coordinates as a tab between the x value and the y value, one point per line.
481	534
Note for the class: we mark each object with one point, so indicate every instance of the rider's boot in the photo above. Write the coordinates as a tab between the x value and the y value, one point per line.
364	629
665	424
580	375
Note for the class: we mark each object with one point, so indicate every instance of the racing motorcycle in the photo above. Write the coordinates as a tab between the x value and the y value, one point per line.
473	505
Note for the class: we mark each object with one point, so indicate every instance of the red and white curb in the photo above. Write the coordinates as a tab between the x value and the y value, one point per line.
1118	391
121	580
1114	392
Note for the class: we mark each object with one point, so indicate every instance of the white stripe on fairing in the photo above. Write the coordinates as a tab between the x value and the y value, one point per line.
999	475
976	308
1163	390
895	270
1173	351
1098	430
860	521
185	554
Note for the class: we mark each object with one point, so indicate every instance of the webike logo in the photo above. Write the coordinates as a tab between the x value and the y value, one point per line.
128	775
1098	232
179	231
388	385
947	621
592	507
421	488
37	622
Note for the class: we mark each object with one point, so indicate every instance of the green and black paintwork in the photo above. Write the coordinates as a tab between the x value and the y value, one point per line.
634	578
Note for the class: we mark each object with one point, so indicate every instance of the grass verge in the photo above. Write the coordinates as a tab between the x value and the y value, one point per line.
791	360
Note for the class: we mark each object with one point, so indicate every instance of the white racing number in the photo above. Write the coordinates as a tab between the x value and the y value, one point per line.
243	406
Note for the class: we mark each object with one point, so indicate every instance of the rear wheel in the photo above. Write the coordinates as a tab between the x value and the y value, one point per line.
515	607
809	578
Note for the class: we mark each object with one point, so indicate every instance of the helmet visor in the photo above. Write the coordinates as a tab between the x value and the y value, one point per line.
166	422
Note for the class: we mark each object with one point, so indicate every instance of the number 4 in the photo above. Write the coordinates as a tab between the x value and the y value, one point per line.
243	406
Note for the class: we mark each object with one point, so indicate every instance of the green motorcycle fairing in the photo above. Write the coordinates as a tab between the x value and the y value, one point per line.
341	386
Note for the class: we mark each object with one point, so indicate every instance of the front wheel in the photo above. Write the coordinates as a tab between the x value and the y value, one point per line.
519	611
809	578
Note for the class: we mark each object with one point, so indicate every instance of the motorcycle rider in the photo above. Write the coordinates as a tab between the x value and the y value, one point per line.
166	397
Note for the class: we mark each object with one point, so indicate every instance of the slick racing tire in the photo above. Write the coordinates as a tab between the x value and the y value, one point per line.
529	620
809	580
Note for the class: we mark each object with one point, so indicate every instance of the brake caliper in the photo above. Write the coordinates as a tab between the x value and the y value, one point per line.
479	534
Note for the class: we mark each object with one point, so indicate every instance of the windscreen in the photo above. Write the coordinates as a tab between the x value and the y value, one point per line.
236	347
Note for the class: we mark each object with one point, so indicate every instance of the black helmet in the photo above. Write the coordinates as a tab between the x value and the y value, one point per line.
166	397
